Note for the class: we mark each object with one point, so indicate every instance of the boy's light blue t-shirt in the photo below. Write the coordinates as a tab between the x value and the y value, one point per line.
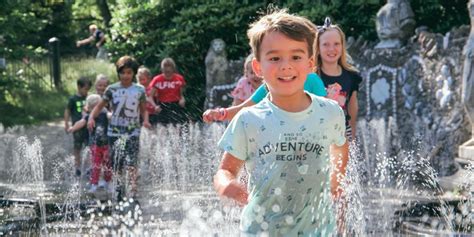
313	84
287	158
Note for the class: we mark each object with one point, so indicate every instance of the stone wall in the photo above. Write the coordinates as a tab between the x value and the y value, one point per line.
416	91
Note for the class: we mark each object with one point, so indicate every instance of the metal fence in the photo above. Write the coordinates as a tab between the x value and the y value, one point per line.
32	70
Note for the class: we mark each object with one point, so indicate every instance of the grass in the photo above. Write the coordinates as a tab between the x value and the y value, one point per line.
29	97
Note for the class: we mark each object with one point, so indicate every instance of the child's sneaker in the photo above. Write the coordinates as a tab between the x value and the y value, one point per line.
93	188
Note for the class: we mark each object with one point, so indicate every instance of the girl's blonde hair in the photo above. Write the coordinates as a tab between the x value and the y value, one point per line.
92	100
343	60
248	61
143	70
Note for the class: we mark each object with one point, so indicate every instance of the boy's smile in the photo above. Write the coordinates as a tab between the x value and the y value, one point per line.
284	64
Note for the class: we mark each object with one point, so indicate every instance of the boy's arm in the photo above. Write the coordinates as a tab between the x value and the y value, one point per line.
144	114
353	110
182	101
84	41
152	100
78	125
212	115
66	119
225	181
95	112
339	157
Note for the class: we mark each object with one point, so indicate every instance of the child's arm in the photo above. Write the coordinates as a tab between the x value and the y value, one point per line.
182	101
212	115
95	112
78	125
225	181
152	100
144	114
67	116
353	110
339	157
85	41
237	102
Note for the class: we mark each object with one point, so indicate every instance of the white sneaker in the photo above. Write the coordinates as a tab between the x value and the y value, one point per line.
93	188
102	184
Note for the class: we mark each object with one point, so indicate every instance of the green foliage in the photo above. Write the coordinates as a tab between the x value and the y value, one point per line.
27	103
153	29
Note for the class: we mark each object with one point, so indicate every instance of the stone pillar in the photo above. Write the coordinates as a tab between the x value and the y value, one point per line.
466	150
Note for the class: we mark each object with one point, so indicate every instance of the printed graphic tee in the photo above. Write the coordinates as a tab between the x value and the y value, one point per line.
168	90
340	88
125	104
76	106
287	158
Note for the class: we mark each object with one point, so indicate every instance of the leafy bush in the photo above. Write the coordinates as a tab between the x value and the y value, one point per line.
152	30
28	102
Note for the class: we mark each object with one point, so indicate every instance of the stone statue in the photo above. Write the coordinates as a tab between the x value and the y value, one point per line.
394	24
466	151
216	65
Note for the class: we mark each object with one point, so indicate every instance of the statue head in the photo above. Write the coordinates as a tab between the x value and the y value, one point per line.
217	46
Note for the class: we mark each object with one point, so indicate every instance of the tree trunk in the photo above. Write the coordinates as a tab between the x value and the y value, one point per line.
104	11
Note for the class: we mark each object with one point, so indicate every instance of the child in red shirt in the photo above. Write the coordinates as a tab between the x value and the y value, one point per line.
167	91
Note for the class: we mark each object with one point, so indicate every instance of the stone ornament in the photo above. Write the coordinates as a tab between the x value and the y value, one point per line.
394	23
216	64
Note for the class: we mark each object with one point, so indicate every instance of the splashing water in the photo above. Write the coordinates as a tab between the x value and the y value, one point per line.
386	194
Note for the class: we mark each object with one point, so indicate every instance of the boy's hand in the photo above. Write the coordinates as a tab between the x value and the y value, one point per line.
91	124
237	192
146	124
69	130
182	102
66	127
157	109
212	115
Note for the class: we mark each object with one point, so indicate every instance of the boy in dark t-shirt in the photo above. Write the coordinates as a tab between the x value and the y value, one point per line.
74	112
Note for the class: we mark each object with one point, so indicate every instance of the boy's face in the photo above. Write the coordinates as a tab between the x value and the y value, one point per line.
330	46
83	90
100	86
126	76
284	64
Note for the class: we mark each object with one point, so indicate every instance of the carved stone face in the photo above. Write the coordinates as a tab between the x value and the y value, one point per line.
218	45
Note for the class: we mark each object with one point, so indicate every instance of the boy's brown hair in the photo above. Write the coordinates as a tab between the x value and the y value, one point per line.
127	62
294	27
